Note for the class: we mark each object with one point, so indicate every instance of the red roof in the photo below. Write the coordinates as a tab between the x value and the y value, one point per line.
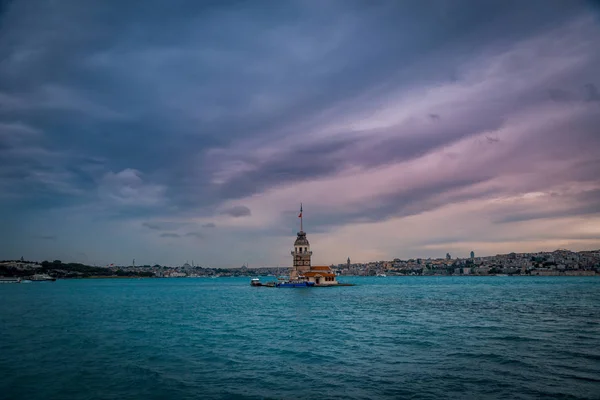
320	268
319	273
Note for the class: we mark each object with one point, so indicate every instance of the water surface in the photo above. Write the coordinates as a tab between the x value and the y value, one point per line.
394	337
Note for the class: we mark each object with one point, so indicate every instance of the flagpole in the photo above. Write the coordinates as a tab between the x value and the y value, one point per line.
301	218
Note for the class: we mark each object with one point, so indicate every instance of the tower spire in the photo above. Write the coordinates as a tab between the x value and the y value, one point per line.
300	216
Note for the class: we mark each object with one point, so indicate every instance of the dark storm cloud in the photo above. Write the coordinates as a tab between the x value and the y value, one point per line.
106	83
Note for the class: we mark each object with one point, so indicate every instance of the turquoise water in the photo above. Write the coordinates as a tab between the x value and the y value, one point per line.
395	337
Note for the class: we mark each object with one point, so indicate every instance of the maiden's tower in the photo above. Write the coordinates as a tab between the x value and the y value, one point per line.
302	269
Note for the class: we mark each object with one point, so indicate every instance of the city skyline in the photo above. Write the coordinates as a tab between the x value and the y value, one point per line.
194	131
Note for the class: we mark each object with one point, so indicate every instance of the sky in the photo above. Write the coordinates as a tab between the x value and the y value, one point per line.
178	131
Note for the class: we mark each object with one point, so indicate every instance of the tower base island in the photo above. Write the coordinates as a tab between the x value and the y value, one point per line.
303	274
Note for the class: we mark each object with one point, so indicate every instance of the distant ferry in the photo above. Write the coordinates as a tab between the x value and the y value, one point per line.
10	280
42	277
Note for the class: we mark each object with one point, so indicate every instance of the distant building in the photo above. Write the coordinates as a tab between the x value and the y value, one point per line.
448	256
472	255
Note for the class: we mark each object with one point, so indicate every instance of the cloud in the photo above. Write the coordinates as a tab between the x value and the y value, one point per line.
57	181
588	93
568	204
169	235
163	226
441	178
18	129
198	235
61	98
153	226
209	225
392	134
45	237
560	95
237	211
591	92
128	188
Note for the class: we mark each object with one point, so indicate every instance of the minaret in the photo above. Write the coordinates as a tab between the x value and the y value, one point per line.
301	253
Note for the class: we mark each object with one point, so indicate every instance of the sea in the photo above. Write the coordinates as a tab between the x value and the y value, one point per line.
385	338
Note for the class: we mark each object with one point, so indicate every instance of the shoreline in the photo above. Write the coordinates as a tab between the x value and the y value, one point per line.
341	284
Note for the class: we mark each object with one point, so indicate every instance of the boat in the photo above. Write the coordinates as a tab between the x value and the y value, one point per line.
42	277
255	282
10	280
296	283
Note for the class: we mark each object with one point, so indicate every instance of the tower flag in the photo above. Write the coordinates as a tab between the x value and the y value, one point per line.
300	216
